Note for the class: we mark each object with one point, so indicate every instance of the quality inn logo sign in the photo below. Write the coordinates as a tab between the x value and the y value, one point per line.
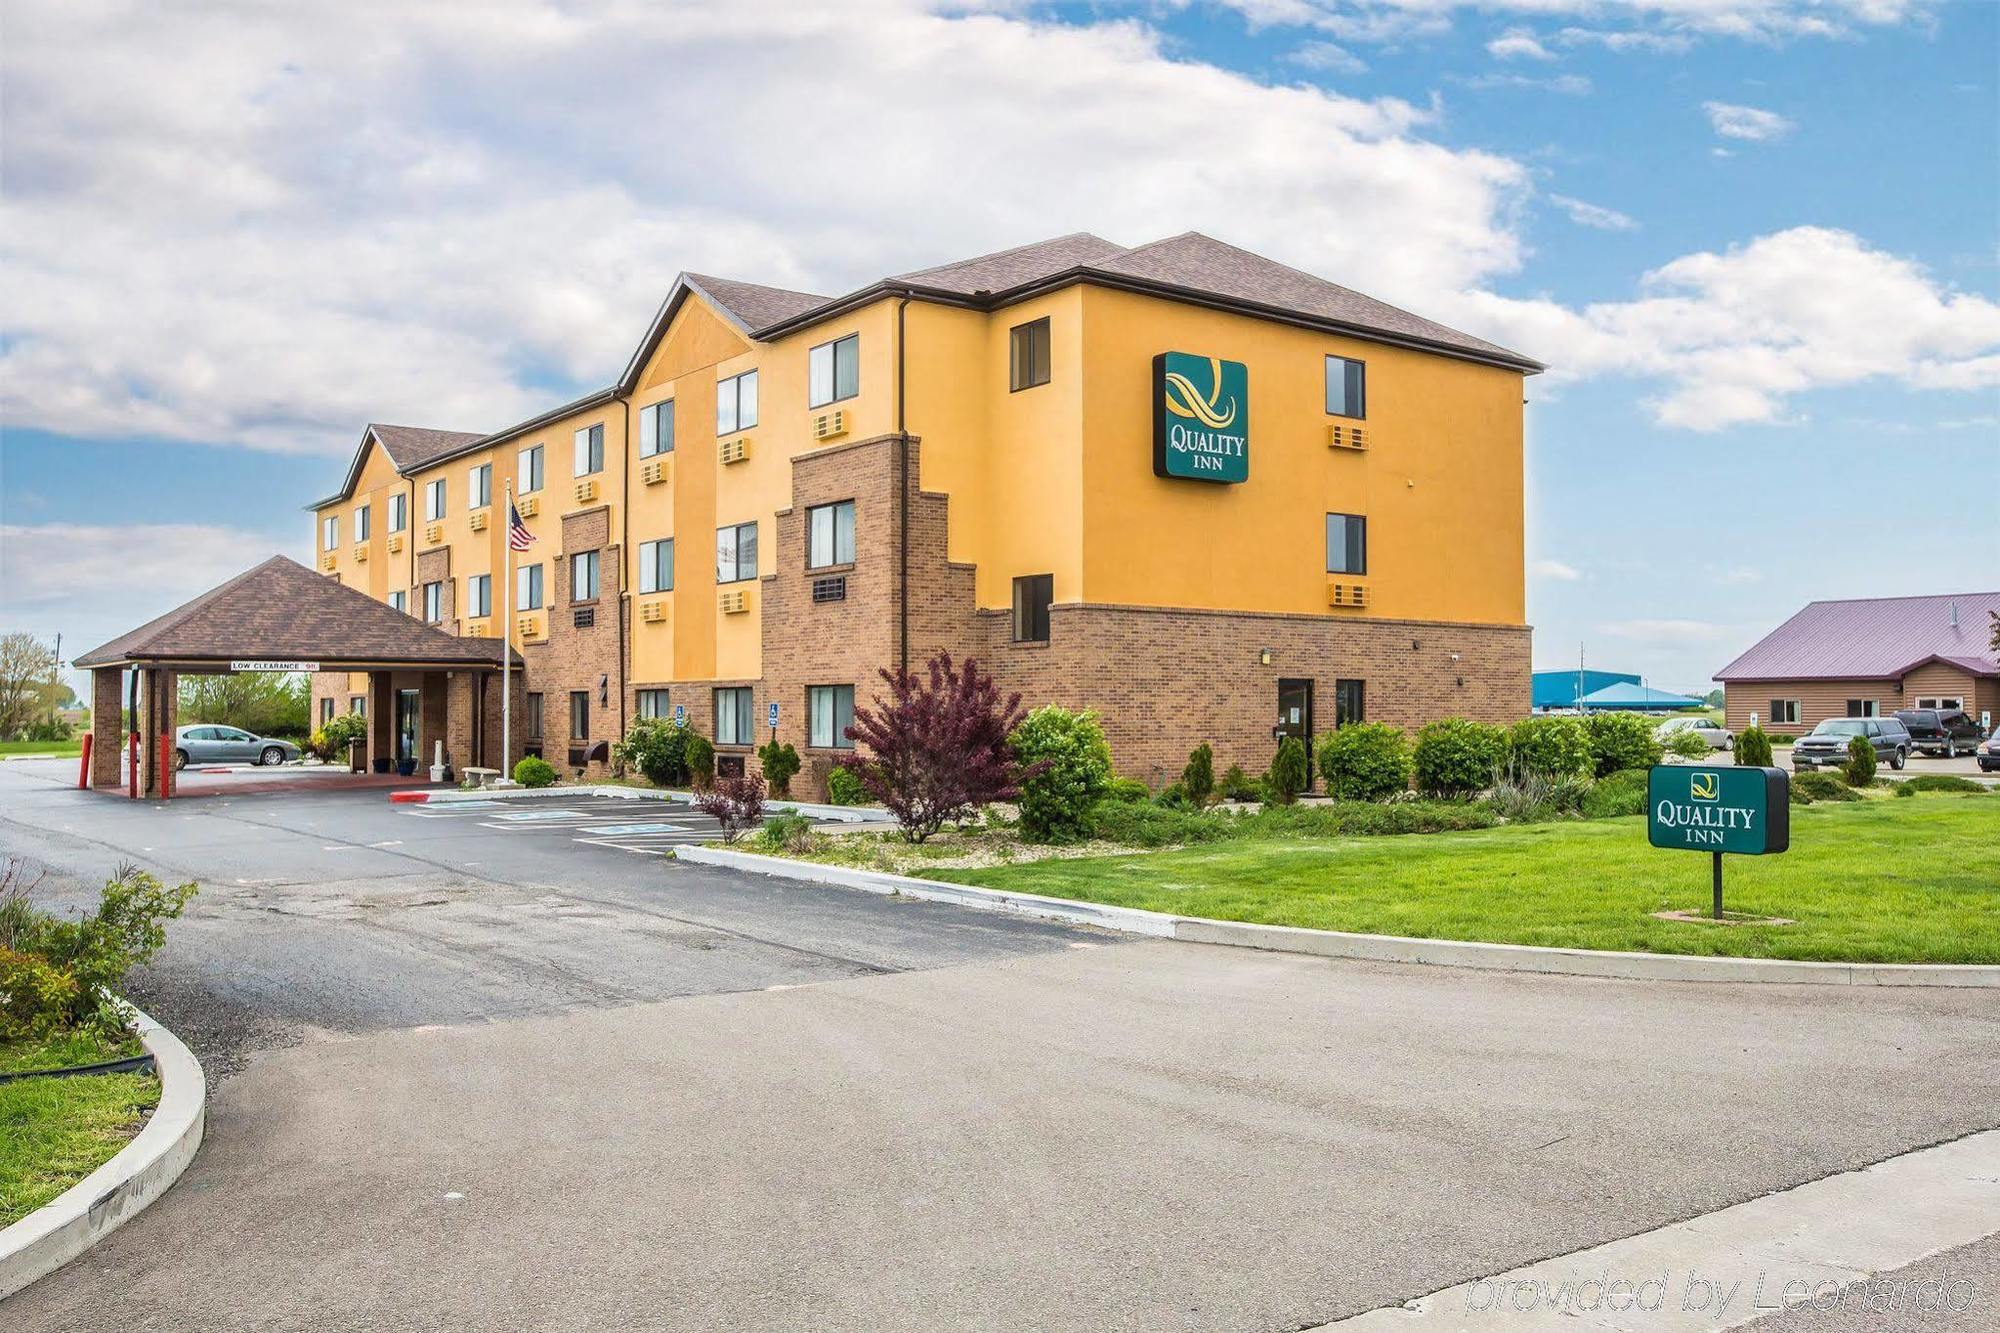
1704	787
1741	810
1201	417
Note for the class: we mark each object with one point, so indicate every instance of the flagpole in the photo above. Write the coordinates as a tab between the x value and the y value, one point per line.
507	645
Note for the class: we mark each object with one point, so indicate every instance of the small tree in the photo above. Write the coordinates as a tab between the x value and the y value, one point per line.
1065	770
843	788
656	747
699	756
1860	769
1752	748
781	764
1621	740
734	803
937	745
1364	761
1553	747
1455	757
1290	773
1198	778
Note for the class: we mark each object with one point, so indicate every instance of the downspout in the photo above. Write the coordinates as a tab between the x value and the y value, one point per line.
902	495
624	555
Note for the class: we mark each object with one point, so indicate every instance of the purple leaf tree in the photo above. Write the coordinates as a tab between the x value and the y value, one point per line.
936	745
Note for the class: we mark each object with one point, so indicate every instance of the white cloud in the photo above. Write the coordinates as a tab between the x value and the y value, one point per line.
1766	21
1746	122
1593	215
1518	44
1570	85
1736	335
1555	570
1328	56
1627	39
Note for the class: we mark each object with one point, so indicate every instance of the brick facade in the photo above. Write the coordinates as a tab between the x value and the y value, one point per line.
1822	699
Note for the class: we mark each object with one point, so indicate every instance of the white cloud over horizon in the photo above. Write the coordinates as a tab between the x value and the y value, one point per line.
1748	123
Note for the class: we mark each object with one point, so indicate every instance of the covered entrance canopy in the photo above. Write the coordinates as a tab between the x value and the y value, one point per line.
282	616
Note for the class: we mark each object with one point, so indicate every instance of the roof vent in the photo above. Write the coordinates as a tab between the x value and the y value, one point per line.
1954	615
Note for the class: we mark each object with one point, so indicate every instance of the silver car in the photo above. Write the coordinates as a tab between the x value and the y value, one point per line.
1718	736
208	743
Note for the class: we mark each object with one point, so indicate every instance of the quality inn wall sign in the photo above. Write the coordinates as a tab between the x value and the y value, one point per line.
1201	417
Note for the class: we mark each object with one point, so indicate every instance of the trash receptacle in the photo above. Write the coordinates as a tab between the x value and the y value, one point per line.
357	755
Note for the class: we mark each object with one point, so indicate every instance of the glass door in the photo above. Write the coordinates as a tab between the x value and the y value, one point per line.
409	707
1295	717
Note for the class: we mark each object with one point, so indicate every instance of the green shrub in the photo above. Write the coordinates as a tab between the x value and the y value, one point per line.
1808	788
781	763
1752	748
698	756
1289	775
58	973
843	788
1687	745
1522	795
534	771
1550	747
1068	767
329	743
1944	782
1619	741
657	747
1198	778
1364	761
1622	793
1455	757
1236	785
1860	768
1353	819
1151	825
787	833
1127	789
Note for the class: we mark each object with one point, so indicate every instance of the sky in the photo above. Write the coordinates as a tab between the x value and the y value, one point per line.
1755	241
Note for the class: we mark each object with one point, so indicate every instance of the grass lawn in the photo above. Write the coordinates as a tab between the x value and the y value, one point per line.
53	749
1878	881
56	1131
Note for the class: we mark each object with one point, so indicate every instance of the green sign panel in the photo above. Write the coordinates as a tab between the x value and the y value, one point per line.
1746	811
1201	417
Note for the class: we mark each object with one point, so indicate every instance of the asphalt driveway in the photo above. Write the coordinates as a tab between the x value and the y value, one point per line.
475	1078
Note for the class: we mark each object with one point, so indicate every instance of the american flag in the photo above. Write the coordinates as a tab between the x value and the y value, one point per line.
518	536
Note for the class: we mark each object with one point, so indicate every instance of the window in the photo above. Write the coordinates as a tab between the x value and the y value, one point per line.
656	429
590	450
1346	387
833	371
399	600
736	403
732	717
361	523
653	703
1785	712
479	487
528	474
656	566
534	716
583	576
1032	595
479	595
1346	544
830	535
1349	702
528	588
736	553
579	715
829	713
434	500
433	603
329	532
325	716
1028	355
399	512
1861	708
358	705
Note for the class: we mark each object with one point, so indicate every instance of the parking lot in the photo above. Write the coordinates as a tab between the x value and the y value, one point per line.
645	827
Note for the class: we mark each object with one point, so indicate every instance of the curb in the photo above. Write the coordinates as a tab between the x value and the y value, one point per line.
104	1200
1368	948
832	814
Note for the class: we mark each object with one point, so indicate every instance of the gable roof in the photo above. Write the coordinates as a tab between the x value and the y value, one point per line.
1004	269
751	305
408	448
1878	638
282	611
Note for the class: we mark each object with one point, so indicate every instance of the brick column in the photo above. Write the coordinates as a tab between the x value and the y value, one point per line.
381	719
107	728
461	703
158	697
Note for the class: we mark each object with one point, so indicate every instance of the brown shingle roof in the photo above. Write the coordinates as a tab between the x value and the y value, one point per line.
411	447
280	610
1877	638
749	304
1013	268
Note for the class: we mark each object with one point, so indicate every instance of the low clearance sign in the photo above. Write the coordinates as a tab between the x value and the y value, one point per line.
1745	811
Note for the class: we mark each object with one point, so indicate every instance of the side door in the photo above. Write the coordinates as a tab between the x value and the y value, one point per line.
1295	718
238	746
199	742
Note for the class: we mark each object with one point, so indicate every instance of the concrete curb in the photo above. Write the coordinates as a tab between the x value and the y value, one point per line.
1370	948
102	1201
836	814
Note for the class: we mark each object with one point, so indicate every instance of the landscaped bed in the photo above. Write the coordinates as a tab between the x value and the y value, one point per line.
1874	881
56	1131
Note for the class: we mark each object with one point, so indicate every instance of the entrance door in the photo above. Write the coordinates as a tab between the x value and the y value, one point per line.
1295	716
409	707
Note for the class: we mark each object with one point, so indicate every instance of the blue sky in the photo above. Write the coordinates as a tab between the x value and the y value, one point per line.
1755	239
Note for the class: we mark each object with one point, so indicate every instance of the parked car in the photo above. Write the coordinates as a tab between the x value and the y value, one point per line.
1825	746
1718	736
1989	756
206	743
1945	732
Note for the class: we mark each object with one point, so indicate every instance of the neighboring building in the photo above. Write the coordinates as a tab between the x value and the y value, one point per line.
1563	689
1623	696
1868	658
1194	489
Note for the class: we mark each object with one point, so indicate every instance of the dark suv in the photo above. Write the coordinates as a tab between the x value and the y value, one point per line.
1826	745
1946	732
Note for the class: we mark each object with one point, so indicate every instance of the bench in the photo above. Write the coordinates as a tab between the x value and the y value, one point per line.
482	777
